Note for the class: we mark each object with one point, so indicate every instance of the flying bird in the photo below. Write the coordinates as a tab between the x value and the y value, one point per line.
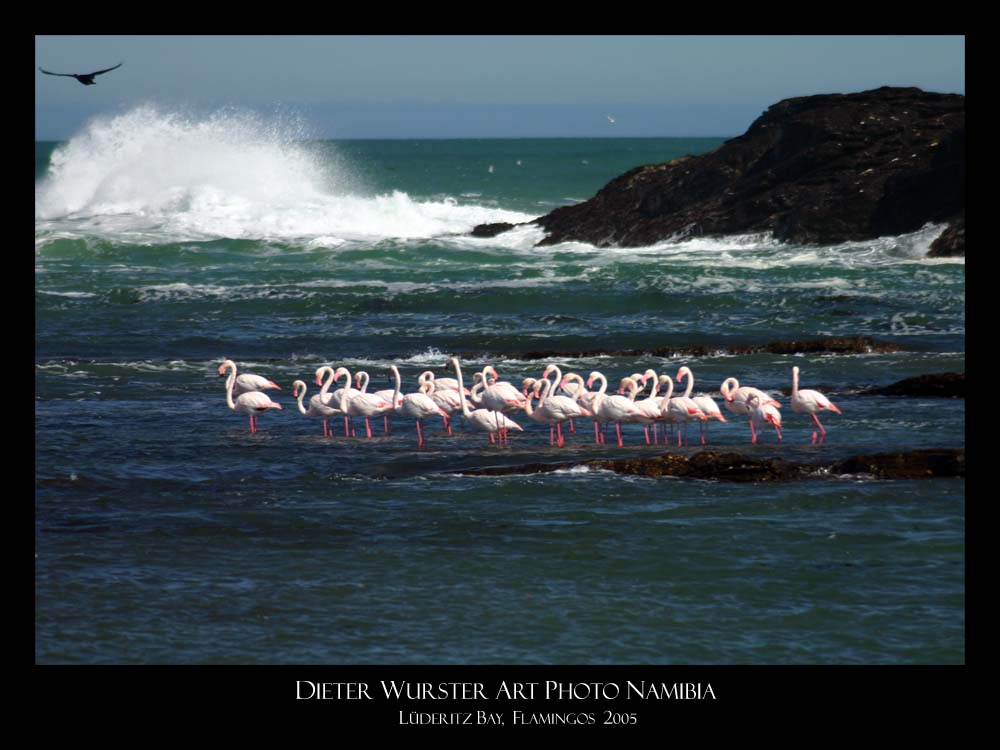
87	79
611	119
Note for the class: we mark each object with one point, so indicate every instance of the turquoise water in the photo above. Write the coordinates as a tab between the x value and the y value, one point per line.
166	533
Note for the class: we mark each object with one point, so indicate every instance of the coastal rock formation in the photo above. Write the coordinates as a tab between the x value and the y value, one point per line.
951	243
826	345
938	385
816	169
732	466
491	230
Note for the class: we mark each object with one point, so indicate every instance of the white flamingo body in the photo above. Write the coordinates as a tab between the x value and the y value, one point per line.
762	415
247	382
316	406
613	408
649	408
484	420
704	404
736	397
417	406
501	395
810	402
447	400
253	403
553	410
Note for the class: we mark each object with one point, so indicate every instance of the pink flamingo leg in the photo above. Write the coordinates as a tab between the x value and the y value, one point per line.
385	424
597	439
492	441
753	433
561	442
618	432
420	436
571	427
368	427
552	435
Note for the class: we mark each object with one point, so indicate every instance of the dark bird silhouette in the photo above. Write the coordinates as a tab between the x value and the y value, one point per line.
87	79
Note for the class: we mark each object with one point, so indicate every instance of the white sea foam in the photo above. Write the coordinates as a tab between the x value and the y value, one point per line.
157	176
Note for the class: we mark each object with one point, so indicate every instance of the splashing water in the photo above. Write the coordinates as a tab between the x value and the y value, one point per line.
160	177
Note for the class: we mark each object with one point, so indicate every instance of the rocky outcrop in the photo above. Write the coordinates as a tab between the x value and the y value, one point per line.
817	169
951	243
938	385
827	345
491	230
732	466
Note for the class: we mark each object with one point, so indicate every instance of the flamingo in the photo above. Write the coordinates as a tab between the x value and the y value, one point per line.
484	420
417	406
333	400
736	398
705	404
572	383
554	410
809	402
355	403
680	410
325	398
649	408
247	382
361	381
316	406
252	403
761	415
611	408
499	395
447	398
570	390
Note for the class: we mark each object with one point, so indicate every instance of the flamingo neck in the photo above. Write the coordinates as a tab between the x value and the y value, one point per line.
301	386
558	380
795	382
328	371
363	381
230	384
347	390
581	386
690	382
633	388
669	390
728	386
461	388
395	393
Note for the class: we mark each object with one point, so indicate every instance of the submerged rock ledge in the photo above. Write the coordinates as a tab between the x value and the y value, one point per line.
732	466
829	345
938	385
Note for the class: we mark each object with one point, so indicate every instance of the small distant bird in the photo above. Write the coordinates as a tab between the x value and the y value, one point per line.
611	119
87	79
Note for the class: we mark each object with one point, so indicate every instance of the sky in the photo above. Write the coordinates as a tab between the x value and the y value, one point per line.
481	86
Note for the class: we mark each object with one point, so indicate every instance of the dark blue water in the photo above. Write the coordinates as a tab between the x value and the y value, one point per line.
166	533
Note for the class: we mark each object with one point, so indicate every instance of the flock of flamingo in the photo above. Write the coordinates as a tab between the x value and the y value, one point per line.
554	402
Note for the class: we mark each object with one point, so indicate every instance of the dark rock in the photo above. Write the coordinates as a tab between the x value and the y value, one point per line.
940	385
919	464
829	345
733	466
951	243
816	169
491	230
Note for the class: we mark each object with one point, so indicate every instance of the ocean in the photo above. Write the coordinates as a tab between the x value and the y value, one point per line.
167	533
